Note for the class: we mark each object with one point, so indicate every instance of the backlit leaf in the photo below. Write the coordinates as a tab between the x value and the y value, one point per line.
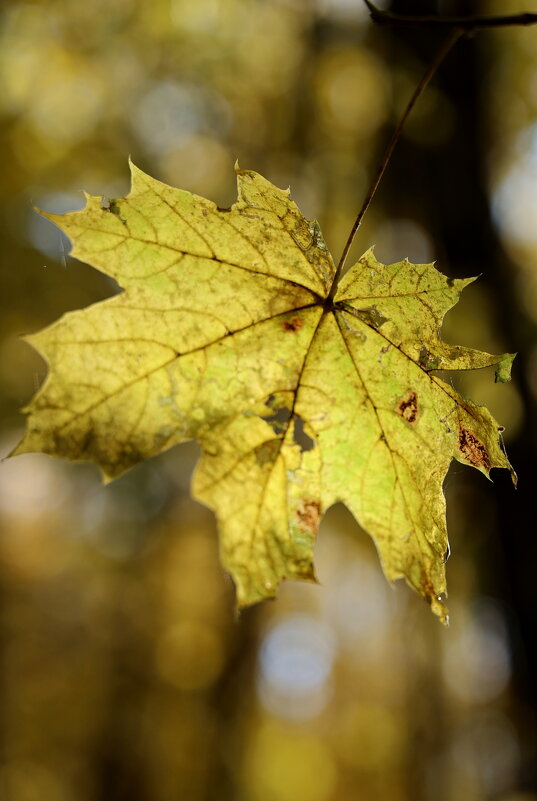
227	331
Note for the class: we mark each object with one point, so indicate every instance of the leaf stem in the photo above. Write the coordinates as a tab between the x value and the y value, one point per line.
453	37
464	23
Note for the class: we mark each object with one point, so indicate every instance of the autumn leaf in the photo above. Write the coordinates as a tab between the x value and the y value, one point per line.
228	331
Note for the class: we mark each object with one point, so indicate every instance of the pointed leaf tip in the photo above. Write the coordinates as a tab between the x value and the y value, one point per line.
503	368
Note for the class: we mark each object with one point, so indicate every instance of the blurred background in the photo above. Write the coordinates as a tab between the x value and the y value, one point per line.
125	672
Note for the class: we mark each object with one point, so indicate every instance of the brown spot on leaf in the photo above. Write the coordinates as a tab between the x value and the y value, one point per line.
293	325
267	452
308	516
427	587
407	407
473	449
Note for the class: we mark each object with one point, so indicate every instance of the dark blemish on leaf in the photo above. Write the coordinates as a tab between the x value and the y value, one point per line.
279	420
428	360
407	407
267	452
293	325
369	315
473	449
308	516
204	212
270	400
299	229
113	208
427	587
383	352
86	446
303	440
219	208
372	317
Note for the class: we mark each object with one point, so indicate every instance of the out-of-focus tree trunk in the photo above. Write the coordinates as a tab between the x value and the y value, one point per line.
232	699
446	188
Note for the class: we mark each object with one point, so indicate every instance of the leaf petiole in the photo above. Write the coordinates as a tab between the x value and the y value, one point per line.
451	40
459	26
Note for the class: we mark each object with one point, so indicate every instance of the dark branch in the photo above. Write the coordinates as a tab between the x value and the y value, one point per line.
463	23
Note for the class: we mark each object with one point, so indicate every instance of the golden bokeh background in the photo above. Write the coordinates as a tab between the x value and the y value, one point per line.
126	674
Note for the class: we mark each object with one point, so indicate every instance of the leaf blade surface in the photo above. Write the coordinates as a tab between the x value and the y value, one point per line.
225	332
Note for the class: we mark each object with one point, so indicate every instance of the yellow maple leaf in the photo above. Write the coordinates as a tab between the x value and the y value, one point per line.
230	330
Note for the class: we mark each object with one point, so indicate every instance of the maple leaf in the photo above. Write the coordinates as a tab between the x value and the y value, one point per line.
228	331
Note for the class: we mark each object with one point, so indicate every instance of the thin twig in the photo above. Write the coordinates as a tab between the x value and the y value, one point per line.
454	36
466	23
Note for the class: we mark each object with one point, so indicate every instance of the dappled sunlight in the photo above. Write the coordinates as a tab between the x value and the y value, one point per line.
295	664
127	673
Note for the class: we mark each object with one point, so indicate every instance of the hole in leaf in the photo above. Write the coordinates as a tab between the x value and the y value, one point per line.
303	440
279	420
